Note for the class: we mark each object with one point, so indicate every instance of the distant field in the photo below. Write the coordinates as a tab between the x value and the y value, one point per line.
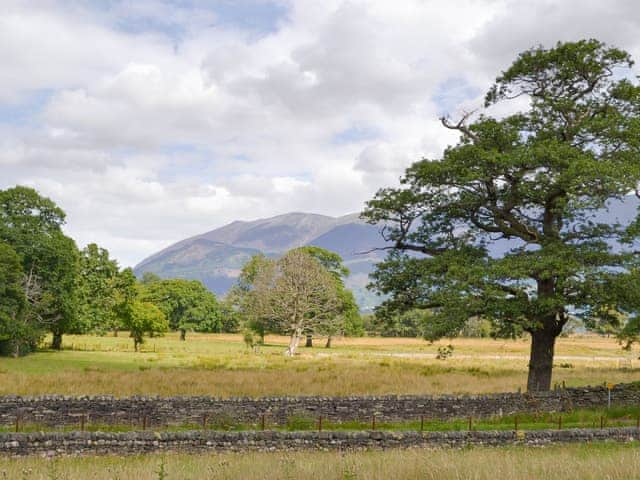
221	365
585	462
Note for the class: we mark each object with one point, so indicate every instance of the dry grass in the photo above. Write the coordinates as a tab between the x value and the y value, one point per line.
220	365
585	462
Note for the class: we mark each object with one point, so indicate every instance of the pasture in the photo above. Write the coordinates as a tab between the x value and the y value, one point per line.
221	365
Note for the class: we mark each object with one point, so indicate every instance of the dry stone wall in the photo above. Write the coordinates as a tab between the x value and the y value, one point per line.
86	443
158	411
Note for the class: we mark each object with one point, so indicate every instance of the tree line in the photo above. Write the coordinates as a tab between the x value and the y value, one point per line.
49	286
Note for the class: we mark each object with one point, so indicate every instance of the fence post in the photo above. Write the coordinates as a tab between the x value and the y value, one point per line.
204	421
601	421
373	421
470	423
320	423
262	421
515	421
560	422
82	418
144	422
421	423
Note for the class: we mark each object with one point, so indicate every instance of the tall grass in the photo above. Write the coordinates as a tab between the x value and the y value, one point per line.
220	365
597	461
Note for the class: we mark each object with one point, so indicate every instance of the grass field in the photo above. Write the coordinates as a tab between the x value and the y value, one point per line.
597	461
221	365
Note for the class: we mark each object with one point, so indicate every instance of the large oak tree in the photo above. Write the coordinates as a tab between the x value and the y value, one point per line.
532	180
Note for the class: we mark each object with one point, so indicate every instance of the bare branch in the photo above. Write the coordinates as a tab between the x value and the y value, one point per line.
461	126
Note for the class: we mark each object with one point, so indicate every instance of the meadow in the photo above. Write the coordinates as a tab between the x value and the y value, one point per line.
595	461
221	365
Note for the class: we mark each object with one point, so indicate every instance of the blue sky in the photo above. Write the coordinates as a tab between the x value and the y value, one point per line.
148	121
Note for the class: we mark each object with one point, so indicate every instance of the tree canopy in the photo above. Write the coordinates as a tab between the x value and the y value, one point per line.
534	178
31	225
187	304
300	293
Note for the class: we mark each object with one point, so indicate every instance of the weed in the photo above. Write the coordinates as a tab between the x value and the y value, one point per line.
162	470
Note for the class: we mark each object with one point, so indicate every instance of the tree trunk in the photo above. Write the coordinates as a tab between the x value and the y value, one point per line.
309	341
293	343
56	342
541	361
328	344
183	334
115	332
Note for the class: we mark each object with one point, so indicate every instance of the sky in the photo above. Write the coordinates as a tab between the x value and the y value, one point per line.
149	121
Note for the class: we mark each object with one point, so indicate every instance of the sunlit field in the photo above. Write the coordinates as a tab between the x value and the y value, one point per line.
598	461
221	365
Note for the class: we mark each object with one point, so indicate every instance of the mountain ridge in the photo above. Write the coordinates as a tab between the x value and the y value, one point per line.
216	257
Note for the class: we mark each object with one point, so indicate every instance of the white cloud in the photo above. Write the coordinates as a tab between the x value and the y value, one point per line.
160	121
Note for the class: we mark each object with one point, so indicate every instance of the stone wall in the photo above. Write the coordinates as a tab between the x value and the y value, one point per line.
156	411
78	443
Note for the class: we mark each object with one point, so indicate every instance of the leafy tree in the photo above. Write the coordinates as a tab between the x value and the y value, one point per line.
105	292
187	304
13	302
96	289
149	277
124	294
31	225
292	295
408	323
331	261
347	319
535	178
144	318
241	298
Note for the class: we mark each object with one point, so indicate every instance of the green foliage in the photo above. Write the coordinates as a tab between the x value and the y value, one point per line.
344	318
14	331
187	304
536	178
144	318
293	295
98	284
401	324
31	225
331	261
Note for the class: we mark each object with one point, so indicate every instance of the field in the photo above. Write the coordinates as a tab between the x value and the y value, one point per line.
597	461
221	365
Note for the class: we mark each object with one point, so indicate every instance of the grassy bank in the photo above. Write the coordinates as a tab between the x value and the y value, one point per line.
220	365
596	461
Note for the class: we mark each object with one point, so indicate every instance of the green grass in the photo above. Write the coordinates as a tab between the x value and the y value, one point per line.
613	461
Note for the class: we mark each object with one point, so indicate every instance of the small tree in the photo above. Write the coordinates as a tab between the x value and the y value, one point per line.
187	304
145	318
347	318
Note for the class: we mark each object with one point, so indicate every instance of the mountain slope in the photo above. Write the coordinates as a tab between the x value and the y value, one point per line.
216	257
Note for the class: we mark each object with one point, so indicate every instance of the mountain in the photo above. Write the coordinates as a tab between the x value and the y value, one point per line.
216	257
